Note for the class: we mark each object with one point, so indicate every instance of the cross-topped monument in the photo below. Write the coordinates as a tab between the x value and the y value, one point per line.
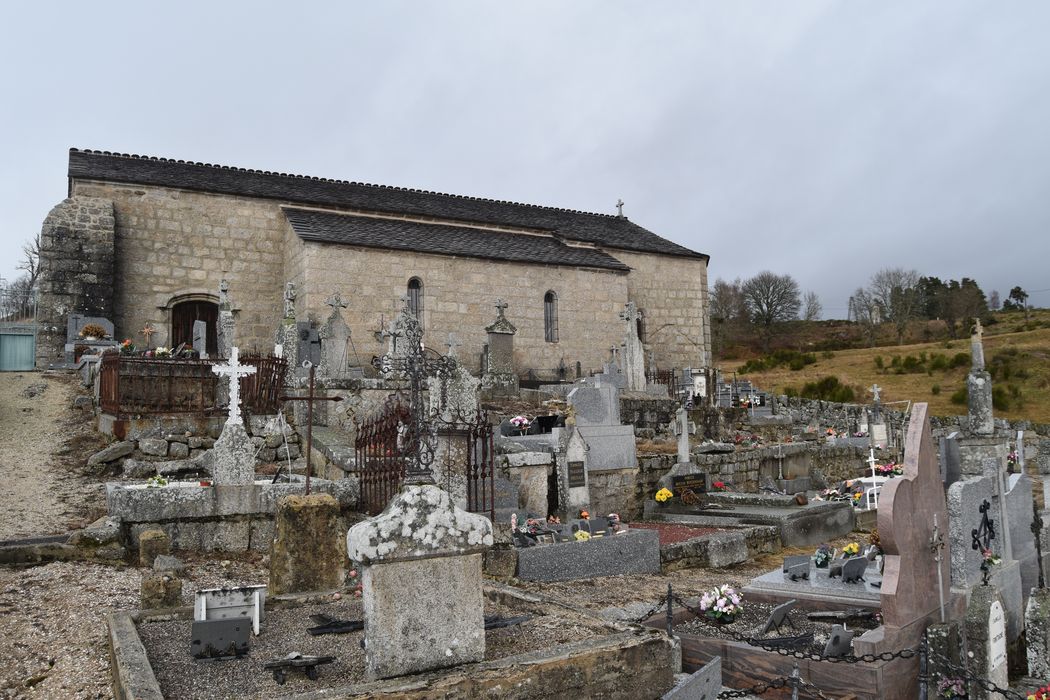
633	352
416	367
289	300
233	370
619	208
336	301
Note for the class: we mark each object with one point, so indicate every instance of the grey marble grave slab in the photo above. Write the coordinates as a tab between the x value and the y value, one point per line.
637	552
819	587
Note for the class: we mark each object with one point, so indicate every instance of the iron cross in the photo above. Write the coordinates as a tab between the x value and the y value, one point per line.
309	398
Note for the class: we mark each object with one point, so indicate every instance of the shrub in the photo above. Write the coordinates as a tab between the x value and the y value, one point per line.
960	397
879	364
790	392
913	365
827	355
828	389
935	389
960	359
1000	399
938	362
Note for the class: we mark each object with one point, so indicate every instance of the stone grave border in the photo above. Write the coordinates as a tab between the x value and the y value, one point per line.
646	651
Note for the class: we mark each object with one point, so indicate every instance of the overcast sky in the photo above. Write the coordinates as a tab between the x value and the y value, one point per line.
822	139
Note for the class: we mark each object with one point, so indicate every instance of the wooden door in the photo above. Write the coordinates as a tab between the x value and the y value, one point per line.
183	316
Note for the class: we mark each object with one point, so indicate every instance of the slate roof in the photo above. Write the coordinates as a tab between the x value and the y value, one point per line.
398	234
601	229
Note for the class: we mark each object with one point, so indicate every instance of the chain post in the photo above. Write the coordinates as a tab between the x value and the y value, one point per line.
794	681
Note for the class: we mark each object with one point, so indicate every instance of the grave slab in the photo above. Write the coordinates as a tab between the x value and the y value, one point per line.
637	552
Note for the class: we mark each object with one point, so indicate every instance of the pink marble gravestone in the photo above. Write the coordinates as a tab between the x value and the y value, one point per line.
907	508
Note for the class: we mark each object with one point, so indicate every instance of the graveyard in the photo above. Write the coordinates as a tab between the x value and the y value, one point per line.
291	524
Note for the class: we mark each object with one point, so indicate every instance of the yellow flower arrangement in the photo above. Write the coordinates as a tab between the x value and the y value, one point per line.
663	494
582	535
851	549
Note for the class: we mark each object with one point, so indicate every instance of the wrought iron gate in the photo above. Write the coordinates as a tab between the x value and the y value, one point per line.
463	450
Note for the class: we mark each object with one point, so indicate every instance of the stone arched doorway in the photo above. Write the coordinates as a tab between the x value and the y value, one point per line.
185	312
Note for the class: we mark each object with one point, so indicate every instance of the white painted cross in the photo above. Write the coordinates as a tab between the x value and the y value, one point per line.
871	461
875	389
234	370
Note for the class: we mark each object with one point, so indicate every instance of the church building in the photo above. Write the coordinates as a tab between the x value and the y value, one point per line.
147	241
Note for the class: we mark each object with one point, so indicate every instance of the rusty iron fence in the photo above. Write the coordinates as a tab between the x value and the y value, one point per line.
667	377
464	455
132	385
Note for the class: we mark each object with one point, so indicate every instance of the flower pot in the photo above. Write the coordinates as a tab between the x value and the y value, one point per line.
821	564
723	620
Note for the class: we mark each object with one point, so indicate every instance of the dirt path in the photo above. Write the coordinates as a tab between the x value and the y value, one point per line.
44	443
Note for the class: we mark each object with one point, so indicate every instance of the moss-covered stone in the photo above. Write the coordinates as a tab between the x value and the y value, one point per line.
153	543
307	552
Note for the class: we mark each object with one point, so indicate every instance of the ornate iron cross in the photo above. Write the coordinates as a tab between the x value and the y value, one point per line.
416	367
982	539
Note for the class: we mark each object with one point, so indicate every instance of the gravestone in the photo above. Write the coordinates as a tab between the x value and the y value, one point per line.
778	617
453	398
964	501
233	457
1037	633
422	596
985	628
335	337
683	428
238	603
913	582
950	461
499	376
505	499
576	495
308	343
200	339
1018	503
597	414
76	322
633	351
697	483
853	569
979	388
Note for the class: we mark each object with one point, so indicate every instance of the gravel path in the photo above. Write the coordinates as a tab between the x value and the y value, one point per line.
44	444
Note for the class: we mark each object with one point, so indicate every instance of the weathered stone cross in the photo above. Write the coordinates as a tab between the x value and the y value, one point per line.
501	306
875	390
234	370
336	302
619	208
452	344
629	313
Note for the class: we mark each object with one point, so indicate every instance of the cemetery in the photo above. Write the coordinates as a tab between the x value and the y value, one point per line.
420	530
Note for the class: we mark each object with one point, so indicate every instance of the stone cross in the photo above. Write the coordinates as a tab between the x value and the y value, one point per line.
683	427
289	300
875	390
147	331
224	294
452	344
234	370
336	302
630	314
501	306
977	346
619	208
633	352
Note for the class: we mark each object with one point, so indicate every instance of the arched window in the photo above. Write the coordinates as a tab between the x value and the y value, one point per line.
550	317
415	298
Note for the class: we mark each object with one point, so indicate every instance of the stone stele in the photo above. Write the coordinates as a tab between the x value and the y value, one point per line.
306	551
422	598
234	457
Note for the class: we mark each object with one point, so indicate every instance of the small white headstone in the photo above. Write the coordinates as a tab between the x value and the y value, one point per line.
997	671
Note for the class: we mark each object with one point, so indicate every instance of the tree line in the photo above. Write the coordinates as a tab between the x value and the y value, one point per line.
766	303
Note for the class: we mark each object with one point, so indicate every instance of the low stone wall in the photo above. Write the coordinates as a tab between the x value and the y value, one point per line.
624	491
745	468
215	518
720	549
647	412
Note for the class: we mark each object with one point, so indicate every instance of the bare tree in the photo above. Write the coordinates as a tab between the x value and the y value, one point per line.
897	292
728	313
864	310
771	299
811	307
30	263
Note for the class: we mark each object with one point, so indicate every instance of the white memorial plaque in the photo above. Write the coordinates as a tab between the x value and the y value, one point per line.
878	433
997	645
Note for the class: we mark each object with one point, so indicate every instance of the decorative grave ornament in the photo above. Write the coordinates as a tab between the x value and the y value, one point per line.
779	616
839	641
416	367
982	542
148	331
233	371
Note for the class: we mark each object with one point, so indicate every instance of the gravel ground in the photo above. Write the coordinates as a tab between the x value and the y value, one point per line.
284	631
44	445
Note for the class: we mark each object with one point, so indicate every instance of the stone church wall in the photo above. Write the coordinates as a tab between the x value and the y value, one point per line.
672	295
76	270
459	294
173	243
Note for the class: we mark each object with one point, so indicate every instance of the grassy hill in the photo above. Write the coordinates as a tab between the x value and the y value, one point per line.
1017	358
